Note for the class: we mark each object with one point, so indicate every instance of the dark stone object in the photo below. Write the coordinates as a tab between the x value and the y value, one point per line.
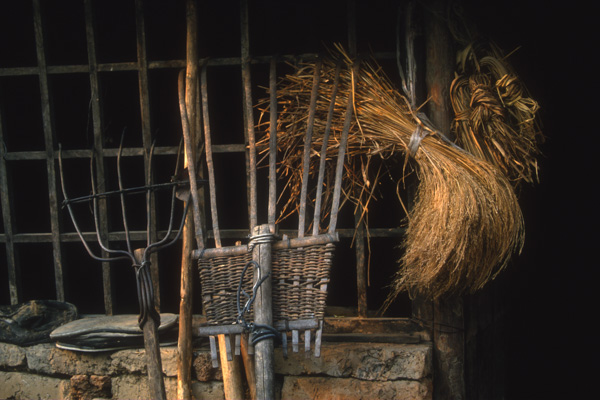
30	323
109	333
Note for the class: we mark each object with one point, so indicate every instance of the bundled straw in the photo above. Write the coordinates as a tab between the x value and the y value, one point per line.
465	222
495	119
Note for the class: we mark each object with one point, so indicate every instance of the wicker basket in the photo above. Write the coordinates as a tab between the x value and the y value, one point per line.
299	284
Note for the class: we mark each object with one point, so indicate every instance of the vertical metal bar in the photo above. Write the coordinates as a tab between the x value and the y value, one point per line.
6	202
146	135
248	115
209	157
307	148
272	145
107	283
49	144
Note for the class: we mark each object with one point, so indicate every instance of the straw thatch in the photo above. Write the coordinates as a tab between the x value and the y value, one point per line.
465	222
495	119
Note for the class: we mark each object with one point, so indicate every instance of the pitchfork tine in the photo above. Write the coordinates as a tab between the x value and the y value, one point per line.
74	221
161	244
122	196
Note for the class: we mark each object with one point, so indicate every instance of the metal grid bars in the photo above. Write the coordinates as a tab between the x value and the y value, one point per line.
92	126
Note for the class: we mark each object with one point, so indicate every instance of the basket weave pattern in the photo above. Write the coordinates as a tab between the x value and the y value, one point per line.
299	279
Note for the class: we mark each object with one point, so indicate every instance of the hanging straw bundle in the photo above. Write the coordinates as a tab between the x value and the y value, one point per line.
465	222
495	119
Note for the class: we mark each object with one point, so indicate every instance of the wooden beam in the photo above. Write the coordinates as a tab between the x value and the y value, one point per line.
448	314
6	204
107	276
47	121
147	137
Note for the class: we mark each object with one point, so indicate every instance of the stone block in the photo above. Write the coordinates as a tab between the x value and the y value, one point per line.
360	360
84	387
24	386
12	356
50	360
299	388
133	361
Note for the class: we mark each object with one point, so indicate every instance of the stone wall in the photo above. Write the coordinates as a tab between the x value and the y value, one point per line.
344	371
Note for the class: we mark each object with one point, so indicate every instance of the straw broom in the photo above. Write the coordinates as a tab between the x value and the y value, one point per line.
465	222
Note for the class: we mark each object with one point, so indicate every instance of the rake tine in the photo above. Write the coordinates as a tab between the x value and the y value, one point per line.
322	161
307	145
342	152
122	196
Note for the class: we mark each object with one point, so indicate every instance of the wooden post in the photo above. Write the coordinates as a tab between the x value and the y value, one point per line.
448	315
361	265
184	342
263	314
156	382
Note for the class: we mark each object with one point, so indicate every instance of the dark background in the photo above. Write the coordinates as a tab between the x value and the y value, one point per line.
549	289
552	284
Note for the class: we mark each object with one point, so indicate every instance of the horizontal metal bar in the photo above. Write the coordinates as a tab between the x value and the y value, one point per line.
113	152
133	66
46	237
138	189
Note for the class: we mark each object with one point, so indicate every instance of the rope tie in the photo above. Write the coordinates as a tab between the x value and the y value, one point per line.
259	332
145	293
260	239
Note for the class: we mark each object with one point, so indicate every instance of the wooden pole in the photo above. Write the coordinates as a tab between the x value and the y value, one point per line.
156	382
263	314
448	315
184	342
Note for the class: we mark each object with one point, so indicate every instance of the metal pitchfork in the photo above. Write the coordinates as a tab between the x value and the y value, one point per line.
149	318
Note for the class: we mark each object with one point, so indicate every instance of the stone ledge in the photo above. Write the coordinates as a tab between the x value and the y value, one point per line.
346	370
299	388
366	361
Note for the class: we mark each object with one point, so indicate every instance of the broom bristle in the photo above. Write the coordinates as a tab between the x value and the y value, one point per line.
465	222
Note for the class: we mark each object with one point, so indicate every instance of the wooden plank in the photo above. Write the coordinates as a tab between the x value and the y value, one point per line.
107	276
6	203
50	156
